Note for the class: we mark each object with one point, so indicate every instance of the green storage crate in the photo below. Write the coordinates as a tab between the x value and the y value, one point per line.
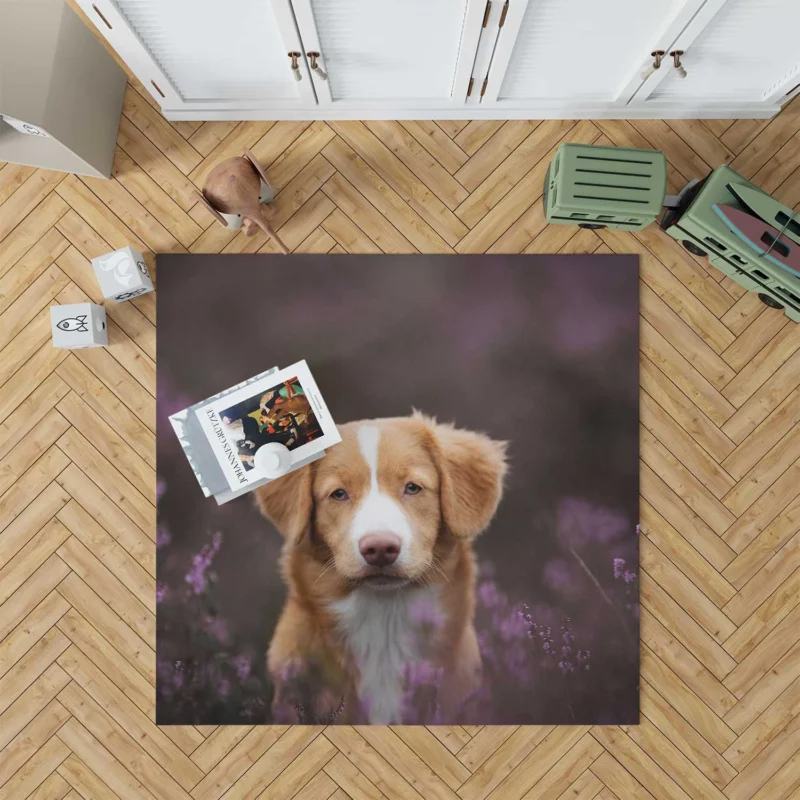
697	226
605	187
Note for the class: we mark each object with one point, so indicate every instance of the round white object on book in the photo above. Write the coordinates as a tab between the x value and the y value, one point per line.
273	460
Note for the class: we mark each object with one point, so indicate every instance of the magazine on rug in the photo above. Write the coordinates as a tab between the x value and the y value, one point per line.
222	435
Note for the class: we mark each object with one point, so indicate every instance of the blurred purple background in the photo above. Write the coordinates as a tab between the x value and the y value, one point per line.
541	351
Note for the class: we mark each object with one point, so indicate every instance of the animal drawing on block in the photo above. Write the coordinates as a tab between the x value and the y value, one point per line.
122	274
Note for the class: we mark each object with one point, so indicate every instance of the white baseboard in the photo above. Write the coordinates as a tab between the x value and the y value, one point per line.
650	111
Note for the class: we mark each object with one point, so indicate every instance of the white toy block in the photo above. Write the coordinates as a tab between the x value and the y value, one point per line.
78	325
122	274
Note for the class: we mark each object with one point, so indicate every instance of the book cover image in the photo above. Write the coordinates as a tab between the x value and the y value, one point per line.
284	407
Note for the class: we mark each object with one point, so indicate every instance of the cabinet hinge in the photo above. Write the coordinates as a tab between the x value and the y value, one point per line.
486	13
503	15
469	88
483	88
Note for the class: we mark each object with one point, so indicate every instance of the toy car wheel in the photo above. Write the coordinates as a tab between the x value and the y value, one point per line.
769	301
592	226
693	248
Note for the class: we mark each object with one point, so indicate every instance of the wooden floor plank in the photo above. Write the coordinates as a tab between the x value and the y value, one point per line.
402	180
159	131
35	735
31	702
419	161
536	147
12	176
98	759
114	521
683	555
84	782
680	732
756	621
30	630
437	143
120	744
384	198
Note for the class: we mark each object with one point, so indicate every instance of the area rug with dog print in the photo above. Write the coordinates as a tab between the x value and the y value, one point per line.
467	553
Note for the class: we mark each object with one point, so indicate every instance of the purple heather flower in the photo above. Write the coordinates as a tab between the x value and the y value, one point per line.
512	627
422	673
619	566
566	667
489	596
421	695
196	577
524	614
241	665
161	592
638	529
163	536
629	577
425	613
580	522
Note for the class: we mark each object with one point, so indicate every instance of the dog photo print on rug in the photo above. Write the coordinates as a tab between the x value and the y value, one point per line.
466	554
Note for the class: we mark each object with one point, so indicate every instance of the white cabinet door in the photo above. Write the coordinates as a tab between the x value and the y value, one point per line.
207	54
390	54
563	54
747	51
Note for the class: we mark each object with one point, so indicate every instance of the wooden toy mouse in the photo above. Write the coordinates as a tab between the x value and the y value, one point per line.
234	188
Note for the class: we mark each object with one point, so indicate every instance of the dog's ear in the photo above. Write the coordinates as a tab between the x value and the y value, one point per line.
286	503
472	467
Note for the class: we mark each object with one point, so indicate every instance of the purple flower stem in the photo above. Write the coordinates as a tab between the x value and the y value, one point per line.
605	597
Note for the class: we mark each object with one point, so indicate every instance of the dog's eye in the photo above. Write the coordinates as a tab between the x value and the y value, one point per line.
413	488
339	494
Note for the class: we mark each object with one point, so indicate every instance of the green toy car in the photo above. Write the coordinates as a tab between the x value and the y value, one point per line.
593	186
702	232
605	187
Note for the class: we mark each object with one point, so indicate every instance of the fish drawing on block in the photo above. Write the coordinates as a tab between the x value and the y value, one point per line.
77	324
763	238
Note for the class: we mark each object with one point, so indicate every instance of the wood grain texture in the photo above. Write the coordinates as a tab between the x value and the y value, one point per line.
720	471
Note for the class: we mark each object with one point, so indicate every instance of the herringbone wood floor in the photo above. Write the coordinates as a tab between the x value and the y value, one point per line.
720	470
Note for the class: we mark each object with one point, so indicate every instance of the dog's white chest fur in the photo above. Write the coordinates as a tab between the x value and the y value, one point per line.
381	631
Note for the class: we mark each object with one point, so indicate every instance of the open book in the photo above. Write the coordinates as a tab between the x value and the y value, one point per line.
222	434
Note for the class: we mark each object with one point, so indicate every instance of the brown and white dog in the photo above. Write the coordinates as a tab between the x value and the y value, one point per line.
379	564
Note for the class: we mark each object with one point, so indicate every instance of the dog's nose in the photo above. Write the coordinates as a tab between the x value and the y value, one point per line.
379	549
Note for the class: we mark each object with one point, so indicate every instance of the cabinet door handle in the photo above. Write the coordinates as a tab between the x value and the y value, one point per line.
657	56
676	57
294	55
313	56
